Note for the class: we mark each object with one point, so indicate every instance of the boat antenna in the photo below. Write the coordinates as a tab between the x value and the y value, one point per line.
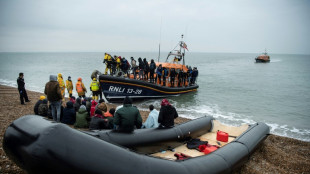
161	20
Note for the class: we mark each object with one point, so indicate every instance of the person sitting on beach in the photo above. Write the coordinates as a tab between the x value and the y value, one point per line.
93	108
97	122
69	114
77	104
127	118
52	90
152	119
80	88
167	114
72	99
110	116
81	118
36	106
43	108
69	86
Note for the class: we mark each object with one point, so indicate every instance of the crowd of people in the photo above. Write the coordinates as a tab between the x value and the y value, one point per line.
143	70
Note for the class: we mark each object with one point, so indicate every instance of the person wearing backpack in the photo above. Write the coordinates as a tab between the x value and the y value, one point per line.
152	70
43	108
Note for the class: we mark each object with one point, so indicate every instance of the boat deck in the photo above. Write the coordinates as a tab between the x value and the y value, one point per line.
210	137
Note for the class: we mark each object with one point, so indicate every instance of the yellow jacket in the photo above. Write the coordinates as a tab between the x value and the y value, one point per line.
61	81
69	85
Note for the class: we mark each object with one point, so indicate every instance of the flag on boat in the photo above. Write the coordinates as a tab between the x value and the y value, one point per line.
184	46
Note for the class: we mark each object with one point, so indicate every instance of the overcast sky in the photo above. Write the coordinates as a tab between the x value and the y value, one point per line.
242	26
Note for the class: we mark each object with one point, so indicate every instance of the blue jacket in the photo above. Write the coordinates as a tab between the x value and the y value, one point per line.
159	71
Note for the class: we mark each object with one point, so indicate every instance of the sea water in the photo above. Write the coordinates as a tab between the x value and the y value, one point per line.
232	87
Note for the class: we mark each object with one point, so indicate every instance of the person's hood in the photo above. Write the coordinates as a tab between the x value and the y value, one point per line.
82	109
53	78
78	100
165	102
44	101
94	103
127	100
59	75
69	104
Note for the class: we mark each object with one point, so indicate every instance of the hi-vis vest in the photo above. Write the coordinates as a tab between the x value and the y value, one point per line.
94	86
79	87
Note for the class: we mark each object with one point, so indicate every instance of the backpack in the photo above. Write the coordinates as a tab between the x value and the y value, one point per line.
43	110
152	66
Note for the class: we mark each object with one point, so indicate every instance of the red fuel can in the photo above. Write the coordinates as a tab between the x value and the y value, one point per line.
222	136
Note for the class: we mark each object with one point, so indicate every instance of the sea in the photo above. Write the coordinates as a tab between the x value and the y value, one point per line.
232	87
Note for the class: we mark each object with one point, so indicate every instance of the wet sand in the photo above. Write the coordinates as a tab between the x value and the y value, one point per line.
276	154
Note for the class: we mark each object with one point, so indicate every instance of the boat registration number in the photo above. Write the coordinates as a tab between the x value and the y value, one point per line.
125	90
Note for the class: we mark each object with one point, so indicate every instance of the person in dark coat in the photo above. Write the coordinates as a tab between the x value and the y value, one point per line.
172	76
180	78
165	75
97	122
21	89
194	75
141	69
36	106
77	104
127	118
43	108
167	114
152	70
54	96
146	69
159	73
69	114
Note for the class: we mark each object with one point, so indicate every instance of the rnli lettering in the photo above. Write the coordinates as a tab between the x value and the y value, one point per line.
123	90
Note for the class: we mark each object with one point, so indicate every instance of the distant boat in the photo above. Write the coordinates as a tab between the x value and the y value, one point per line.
263	58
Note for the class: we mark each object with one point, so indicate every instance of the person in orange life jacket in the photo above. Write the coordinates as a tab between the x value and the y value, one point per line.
165	74
146	69
95	88
80	88
172	76
69	86
167	114
159	73
21	89
152	70
36	106
109	115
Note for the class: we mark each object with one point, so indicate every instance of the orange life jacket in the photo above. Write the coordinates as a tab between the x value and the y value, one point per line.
79	87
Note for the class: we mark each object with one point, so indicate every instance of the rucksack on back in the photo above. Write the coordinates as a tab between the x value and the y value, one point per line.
43	110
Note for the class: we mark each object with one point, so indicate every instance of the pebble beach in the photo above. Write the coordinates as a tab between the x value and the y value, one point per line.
276	154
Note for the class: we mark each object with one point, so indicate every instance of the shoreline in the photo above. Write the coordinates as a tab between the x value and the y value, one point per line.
276	154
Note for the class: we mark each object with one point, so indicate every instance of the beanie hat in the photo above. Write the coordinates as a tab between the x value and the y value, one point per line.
42	97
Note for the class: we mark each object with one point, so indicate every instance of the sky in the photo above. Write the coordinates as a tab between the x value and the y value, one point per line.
233	26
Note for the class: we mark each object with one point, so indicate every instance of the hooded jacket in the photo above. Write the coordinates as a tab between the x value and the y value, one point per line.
52	89
43	108
93	108
167	114
69	114
81	118
77	104
36	107
127	117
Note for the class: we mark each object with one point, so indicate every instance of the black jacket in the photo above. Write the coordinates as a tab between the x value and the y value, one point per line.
36	107
20	83
167	115
69	114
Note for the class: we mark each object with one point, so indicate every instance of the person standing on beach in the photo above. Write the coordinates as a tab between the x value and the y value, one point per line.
80	88
52	90
61	85
21	89
69	86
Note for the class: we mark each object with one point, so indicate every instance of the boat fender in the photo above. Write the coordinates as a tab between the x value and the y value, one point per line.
222	136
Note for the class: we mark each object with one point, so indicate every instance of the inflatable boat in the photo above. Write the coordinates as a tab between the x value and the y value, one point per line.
41	146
